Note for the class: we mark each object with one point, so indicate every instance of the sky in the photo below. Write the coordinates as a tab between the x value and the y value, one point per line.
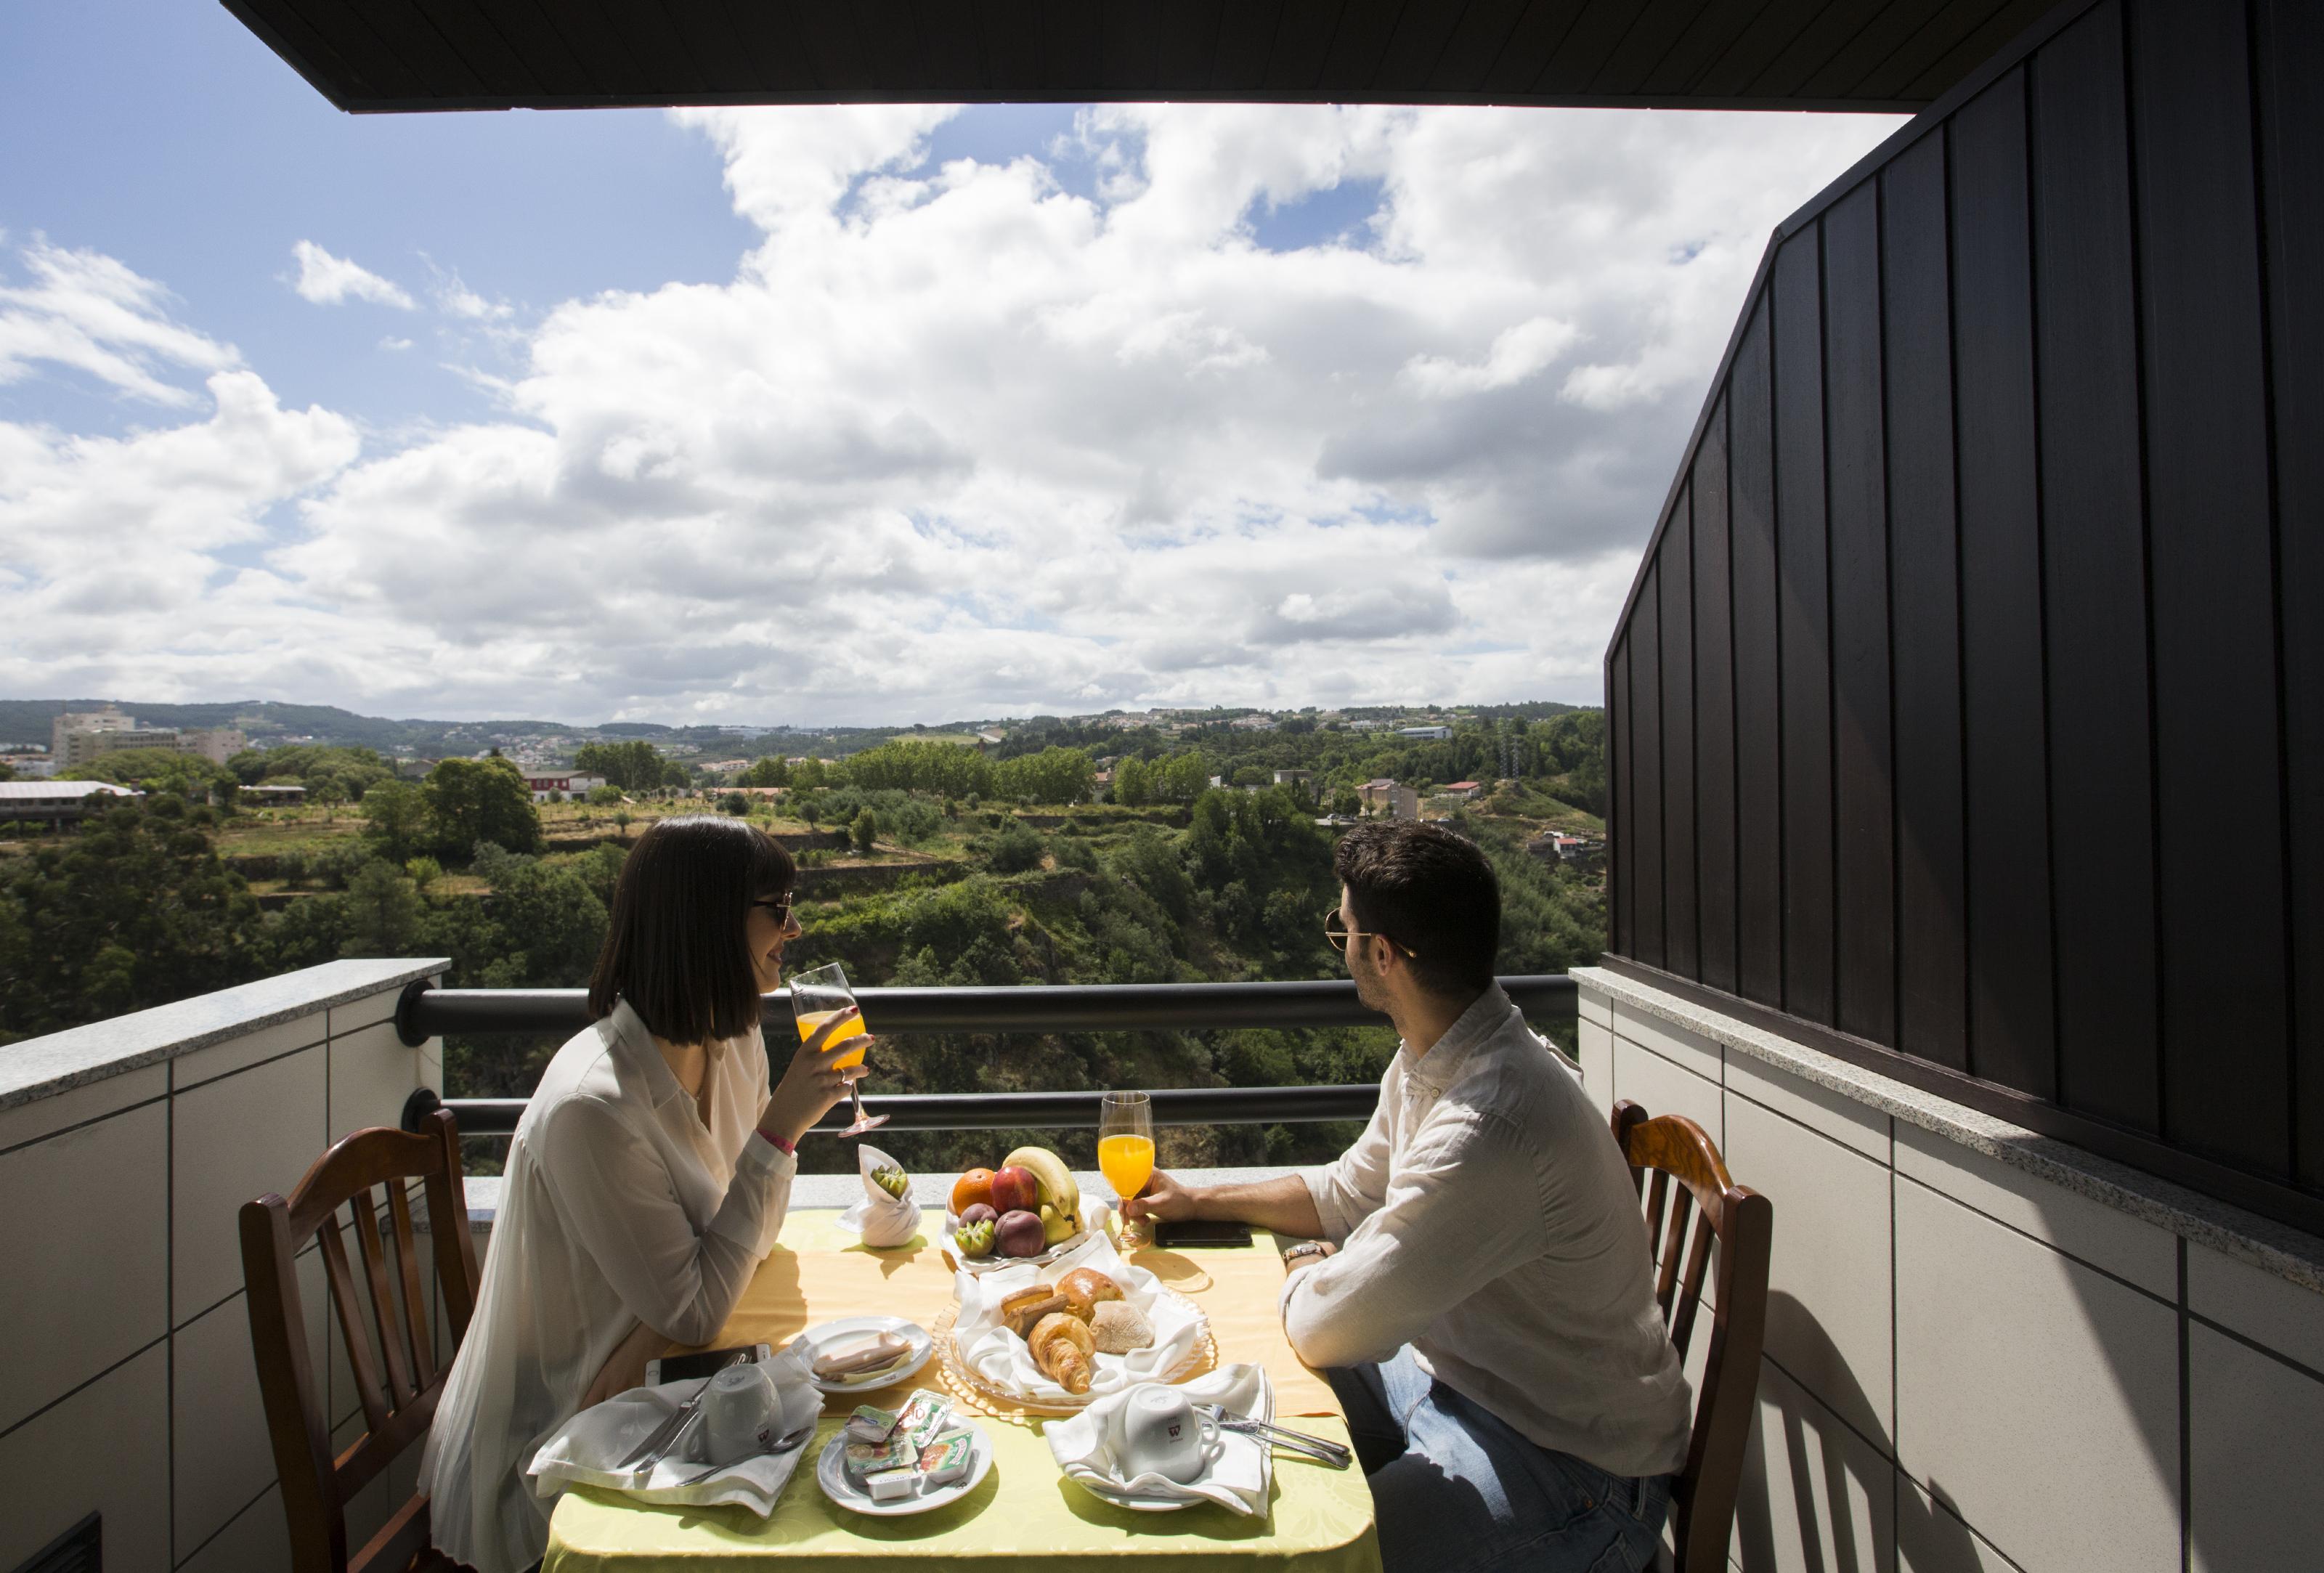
861	415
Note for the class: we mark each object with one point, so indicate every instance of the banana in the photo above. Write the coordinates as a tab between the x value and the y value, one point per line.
1053	1180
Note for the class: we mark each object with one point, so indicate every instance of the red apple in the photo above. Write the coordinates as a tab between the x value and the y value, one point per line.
1015	1191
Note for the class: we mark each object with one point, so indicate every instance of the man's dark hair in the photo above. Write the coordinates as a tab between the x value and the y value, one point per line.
1429	890
675	949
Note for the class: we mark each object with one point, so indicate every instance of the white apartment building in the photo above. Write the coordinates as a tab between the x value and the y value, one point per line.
78	737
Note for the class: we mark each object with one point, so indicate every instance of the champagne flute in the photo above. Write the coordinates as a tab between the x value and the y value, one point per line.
817	996
1125	1153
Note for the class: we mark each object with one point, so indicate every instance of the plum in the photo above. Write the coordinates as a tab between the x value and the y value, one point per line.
978	1213
1019	1234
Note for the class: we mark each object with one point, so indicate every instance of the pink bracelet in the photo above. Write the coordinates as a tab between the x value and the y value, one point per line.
779	1143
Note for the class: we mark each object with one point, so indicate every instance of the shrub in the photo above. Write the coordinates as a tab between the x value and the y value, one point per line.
1015	849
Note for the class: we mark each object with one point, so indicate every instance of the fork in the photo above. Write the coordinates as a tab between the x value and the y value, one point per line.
1323	1449
783	1444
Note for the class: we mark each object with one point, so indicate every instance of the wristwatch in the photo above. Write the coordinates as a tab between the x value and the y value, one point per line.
1306	1248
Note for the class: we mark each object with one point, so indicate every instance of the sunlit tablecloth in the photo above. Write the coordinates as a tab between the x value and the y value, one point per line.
1025	1514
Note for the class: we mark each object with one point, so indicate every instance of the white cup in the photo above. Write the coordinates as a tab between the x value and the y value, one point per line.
1159	1433
741	1414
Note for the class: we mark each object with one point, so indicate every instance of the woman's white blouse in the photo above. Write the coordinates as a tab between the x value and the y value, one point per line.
618	1205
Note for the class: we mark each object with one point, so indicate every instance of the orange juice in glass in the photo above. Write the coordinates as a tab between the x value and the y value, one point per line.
1125	1153
816	996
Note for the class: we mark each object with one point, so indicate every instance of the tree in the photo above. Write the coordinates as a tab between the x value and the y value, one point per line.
621	822
481	800
734	802
1051	775
327	793
865	829
383	912
1133	782
633	764
604	796
765	771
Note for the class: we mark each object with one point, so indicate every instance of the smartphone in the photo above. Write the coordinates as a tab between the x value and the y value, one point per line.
1171	1236
708	1363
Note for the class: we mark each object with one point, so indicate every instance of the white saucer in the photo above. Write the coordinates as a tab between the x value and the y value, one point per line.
1136	1504
811	1342
831	1474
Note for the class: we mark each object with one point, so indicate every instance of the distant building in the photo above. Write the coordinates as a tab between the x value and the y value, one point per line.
1425	732
78	737
31	765
56	802
723	766
1293	777
1462	789
1366	725
1252	723
1383	798
275	794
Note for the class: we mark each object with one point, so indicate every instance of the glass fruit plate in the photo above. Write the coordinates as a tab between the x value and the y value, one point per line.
996	1399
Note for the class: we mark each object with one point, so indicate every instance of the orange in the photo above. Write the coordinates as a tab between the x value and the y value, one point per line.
970	1189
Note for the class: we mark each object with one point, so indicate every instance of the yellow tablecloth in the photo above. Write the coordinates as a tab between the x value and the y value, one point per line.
1026	1512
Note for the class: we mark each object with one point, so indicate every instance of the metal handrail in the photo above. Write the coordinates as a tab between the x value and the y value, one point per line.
426	1012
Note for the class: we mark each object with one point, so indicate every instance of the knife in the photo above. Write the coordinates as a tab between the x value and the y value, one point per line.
658	1441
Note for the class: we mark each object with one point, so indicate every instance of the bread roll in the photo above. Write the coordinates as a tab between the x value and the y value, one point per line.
1021	1310
1119	1327
1085	1289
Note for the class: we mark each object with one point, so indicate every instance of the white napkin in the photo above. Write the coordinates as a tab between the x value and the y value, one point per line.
1002	1358
1237	1480
883	1220
584	1451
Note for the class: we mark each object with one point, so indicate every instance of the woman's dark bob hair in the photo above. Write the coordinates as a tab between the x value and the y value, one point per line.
675	949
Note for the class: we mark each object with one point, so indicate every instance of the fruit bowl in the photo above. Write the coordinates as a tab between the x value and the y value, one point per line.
1093	1213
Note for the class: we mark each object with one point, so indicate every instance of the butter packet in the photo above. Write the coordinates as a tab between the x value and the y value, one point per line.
865	1458
946	1459
925	1417
869	1424
891	1484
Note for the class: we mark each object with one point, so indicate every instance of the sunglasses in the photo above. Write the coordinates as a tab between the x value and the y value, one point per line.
781	906
1336	930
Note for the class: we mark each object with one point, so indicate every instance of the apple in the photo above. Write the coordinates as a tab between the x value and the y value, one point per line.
978	1213
1015	1189
1019	1234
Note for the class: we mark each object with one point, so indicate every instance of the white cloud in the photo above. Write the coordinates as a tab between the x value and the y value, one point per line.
1052	433
93	315
330	281
392	343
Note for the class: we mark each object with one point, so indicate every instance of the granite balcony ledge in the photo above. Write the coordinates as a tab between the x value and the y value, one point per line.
830	1192
43	1067
2273	1248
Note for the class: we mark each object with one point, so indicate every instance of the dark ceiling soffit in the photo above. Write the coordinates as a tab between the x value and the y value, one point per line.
1905	135
2275	1201
1095	96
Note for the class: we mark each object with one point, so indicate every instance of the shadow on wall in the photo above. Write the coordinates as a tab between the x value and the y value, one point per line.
1830	1475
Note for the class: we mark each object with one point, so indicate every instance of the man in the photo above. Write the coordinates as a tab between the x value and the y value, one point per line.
1477	1283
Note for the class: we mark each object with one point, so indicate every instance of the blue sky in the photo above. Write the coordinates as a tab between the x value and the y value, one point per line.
1128	405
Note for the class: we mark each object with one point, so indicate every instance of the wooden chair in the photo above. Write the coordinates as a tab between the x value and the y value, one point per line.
397	1377
1741	1221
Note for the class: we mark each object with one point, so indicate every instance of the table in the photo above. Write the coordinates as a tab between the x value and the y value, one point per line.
1025	1514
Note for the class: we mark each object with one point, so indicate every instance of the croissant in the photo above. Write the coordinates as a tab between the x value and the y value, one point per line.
1021	1310
1064	1350
1085	1288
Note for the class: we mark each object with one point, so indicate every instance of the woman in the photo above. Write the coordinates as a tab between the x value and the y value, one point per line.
644	1184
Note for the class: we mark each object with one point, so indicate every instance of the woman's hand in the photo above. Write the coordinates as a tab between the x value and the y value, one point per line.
813	1083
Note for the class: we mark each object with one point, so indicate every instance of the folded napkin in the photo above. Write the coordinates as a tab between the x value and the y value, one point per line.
883	1220
584	1451
1236	1481
1000	1356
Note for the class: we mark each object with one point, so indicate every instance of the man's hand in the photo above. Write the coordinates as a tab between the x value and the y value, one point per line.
1164	1201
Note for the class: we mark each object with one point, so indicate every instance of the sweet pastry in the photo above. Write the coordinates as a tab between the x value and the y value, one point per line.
860	1356
1021	1310
1064	1351
1085	1289
1118	1326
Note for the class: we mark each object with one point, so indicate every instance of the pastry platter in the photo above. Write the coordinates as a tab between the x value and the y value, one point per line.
963	1380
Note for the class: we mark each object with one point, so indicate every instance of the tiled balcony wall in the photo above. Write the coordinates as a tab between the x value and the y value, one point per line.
1986	1350
126	1148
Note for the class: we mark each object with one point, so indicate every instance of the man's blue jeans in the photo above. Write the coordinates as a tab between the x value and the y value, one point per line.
1455	1486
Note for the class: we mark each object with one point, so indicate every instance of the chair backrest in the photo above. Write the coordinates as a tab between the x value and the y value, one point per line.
387	1341
1683	1221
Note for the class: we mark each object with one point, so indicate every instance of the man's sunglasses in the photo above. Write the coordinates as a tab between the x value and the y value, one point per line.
1336	930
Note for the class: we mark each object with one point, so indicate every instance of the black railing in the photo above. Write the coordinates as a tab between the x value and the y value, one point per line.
425	1013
